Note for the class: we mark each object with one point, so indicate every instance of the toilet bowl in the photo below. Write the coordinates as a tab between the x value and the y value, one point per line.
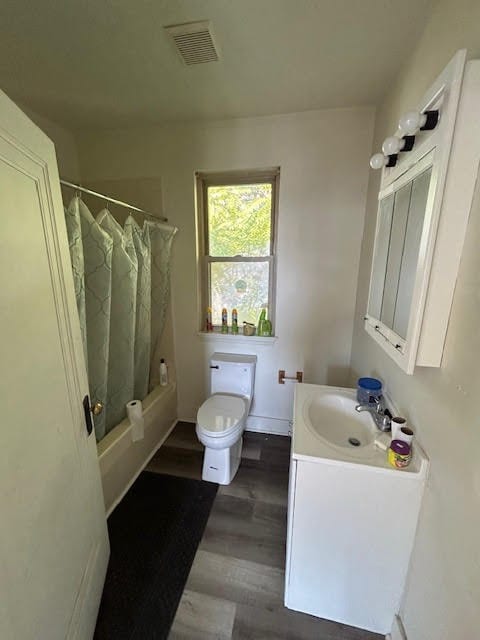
220	426
221	419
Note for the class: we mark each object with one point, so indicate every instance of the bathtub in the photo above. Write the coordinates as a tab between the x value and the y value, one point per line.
122	460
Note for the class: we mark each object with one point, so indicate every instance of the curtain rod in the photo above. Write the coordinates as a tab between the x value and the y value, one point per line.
132	208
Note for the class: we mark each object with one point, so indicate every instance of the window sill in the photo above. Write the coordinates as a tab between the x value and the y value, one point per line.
236	338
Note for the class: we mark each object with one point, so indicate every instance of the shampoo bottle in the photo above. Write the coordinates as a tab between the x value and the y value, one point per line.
163	373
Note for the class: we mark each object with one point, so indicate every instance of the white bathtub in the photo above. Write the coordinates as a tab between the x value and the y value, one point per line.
122	460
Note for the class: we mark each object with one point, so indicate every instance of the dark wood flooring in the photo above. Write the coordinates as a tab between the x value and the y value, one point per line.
235	587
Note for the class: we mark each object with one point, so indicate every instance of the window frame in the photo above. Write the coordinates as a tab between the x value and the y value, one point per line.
204	180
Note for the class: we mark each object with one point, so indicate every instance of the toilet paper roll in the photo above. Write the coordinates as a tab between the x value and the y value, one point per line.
135	415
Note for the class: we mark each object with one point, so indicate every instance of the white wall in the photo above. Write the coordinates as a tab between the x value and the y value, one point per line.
443	591
64	141
323	157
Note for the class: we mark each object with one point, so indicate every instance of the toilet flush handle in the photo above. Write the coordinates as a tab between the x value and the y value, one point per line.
214	366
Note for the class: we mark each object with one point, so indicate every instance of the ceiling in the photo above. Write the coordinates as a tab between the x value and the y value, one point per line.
109	63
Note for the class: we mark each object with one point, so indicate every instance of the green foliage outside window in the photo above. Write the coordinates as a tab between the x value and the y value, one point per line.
239	220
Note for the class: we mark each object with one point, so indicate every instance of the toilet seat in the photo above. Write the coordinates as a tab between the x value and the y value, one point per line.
221	415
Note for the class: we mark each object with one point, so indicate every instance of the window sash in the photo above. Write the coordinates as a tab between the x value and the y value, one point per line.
208	260
227	182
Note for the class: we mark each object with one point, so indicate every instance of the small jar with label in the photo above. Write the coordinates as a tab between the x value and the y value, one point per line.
399	454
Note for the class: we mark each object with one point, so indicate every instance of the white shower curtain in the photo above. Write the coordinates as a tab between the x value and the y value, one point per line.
122	320
121	278
143	308
161	246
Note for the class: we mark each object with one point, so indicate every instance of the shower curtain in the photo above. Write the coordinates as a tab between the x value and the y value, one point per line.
121	277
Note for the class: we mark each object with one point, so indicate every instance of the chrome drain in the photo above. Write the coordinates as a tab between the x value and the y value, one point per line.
355	442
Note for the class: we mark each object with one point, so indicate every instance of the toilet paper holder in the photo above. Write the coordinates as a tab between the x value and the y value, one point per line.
282	377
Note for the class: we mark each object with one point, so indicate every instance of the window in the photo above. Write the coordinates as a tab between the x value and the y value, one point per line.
237	239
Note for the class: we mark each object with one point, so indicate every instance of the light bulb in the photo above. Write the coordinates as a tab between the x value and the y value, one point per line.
378	161
411	122
392	145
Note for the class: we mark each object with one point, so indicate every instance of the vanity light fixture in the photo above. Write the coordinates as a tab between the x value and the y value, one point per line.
413	121
379	160
404	139
408	141
393	144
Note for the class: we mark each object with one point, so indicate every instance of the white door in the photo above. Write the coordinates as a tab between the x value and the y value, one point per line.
53	538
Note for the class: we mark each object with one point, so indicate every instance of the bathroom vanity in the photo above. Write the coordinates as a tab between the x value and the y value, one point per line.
351	516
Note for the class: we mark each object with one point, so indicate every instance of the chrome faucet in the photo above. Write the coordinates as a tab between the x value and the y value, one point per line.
380	414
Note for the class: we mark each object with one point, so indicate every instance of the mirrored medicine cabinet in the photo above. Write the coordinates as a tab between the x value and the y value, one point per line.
423	207
401	216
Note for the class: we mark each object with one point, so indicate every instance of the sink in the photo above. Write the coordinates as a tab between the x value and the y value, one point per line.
327	427
331	415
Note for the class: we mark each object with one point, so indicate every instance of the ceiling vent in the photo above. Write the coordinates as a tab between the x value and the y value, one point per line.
194	42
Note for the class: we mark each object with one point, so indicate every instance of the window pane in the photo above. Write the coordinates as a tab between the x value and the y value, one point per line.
239	220
238	285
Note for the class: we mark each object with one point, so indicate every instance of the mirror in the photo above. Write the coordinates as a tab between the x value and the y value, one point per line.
401	216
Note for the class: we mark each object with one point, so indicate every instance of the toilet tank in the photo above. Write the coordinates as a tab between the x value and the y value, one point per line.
232	373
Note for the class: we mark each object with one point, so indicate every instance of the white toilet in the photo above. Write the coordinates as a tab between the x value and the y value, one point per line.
221	418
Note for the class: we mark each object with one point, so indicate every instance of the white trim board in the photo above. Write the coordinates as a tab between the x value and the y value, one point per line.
274	426
216	336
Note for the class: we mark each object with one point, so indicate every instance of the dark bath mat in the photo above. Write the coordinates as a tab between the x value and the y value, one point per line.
154	534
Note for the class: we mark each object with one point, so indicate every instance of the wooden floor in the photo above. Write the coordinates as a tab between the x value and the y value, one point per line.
235	587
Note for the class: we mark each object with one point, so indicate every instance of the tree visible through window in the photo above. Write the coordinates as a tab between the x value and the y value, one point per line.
239	233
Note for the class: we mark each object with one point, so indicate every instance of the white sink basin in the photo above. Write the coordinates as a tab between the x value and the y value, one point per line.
331	415
327	426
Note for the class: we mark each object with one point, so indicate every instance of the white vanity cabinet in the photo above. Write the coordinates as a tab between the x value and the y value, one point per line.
350	535
423	210
351	516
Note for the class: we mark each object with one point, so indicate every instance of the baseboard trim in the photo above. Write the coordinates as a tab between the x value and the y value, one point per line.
275	426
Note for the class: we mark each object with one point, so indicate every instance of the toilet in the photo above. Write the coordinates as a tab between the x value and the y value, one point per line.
222	417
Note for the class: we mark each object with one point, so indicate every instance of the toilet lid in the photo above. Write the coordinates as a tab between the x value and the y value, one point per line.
220	413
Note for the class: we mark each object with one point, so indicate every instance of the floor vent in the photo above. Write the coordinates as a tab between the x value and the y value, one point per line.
194	42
